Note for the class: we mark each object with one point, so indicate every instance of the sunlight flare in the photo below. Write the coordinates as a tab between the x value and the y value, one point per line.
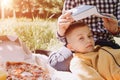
6	3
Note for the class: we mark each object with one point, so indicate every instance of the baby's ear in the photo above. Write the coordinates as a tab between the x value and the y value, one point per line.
70	47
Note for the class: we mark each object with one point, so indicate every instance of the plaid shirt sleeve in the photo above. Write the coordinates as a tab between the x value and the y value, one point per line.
59	60
118	11
118	17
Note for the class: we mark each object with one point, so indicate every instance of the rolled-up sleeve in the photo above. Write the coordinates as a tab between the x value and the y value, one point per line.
60	60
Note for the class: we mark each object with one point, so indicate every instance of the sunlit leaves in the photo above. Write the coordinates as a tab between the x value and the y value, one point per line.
37	7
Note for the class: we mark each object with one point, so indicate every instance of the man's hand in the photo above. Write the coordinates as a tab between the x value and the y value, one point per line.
111	24
63	23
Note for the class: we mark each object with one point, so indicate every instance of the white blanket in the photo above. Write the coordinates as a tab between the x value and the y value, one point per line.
11	49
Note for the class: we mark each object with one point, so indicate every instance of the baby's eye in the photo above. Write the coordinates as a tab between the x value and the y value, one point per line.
81	38
90	36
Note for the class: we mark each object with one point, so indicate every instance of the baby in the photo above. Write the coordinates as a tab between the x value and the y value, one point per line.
91	62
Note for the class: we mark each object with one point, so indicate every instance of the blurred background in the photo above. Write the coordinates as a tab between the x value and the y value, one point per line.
30	8
33	21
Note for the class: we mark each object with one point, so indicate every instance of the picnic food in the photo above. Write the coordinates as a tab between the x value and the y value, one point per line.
25	71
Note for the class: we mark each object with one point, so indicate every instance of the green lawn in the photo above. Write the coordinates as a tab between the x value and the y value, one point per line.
37	33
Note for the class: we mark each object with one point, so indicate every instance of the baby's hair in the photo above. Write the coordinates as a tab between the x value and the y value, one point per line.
73	26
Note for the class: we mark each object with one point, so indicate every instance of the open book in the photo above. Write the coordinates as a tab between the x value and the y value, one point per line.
84	11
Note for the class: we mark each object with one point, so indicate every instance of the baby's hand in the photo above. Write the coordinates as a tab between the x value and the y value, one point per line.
63	23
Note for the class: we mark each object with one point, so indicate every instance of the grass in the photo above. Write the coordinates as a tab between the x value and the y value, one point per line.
37	33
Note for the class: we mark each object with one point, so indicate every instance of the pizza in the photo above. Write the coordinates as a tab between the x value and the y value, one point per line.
25	71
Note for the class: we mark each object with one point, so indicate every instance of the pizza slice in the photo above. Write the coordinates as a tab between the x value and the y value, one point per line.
25	71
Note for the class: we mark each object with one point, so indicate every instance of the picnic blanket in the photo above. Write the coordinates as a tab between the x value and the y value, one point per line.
12	49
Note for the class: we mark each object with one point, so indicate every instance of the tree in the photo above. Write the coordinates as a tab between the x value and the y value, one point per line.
36	8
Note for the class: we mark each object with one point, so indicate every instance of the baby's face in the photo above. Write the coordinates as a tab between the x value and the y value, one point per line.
81	40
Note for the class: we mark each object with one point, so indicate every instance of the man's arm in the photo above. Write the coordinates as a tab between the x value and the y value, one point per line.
118	10
112	25
60	60
118	17
68	4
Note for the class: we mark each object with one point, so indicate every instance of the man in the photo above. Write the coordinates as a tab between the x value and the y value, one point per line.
103	33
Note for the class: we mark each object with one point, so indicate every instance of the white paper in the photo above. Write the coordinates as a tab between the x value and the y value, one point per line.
84	11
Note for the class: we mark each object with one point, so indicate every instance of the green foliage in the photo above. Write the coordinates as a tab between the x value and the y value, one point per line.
37	34
35	8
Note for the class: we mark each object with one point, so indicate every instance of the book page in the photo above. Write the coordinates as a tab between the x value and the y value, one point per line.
84	11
